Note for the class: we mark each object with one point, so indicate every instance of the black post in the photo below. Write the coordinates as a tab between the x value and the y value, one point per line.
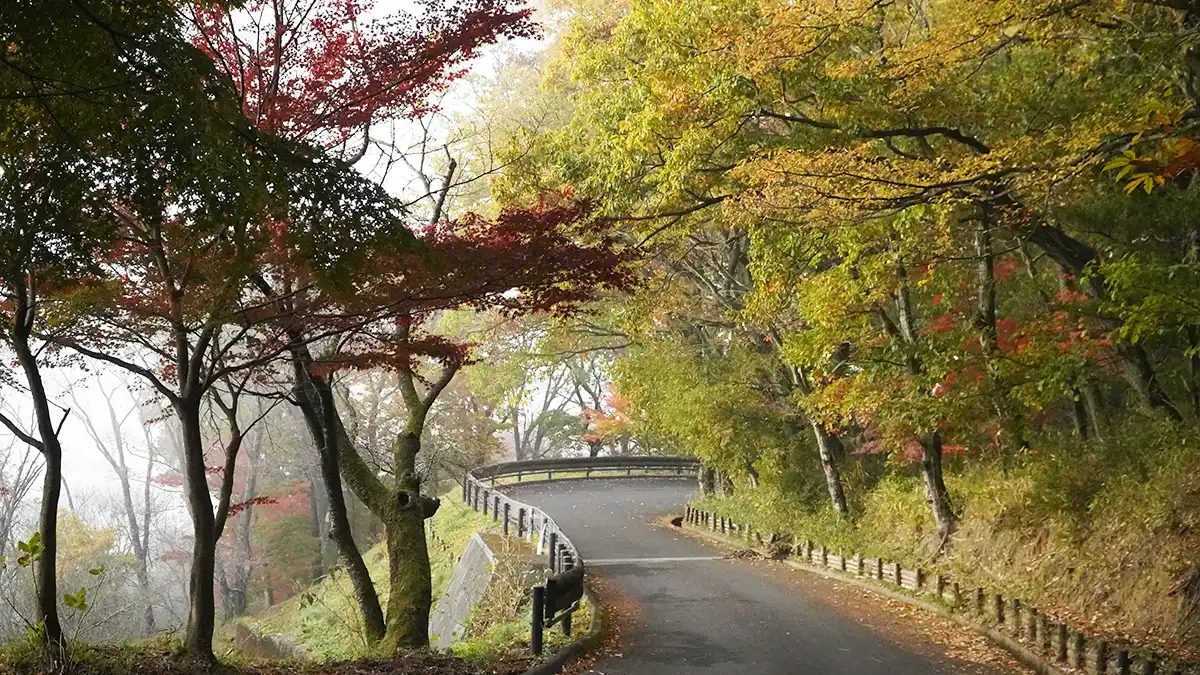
487	497
465	476
496	508
475	497
552	549
539	610
521	523
507	508
551	591
567	624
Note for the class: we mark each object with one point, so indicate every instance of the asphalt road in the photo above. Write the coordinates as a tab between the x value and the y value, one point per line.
699	614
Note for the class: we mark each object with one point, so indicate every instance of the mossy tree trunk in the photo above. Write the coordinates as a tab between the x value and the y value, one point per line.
402	509
411	596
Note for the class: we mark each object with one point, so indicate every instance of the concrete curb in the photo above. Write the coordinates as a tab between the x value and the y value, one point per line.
587	642
1020	652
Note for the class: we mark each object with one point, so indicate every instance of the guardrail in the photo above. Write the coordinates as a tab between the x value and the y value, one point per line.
590	467
557	600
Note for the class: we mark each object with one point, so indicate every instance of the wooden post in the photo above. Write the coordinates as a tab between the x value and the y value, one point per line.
858	565
899	580
487	497
1061	653
566	624
1035	632
1100	657
1015	617
824	557
521	523
539	611
552	549
551	608
842	560
1122	662
879	569
507	510
939	585
920	578
978	602
998	608
475	498
495	508
1075	655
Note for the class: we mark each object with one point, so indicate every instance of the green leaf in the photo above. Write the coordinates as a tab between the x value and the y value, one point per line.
77	600
96	571
1116	163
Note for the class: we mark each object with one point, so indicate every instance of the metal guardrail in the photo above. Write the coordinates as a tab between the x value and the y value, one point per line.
554	602
647	466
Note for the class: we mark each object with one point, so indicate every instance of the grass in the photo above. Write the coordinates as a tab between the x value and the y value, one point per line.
325	618
157	659
510	638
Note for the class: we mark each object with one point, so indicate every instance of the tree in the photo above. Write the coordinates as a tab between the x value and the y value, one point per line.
859	212
116	450
321	73
183	194
524	261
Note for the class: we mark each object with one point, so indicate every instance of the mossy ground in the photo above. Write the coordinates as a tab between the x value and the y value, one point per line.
325	619
157	659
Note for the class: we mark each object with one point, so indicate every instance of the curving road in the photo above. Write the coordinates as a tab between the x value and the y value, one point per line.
700	614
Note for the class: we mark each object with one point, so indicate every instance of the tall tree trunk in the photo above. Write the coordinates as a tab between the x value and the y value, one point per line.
45	577
317	531
140	559
1012	434
317	404
144	563
1079	416
707	476
201	620
242	555
830	449
935	485
931	444
594	447
411	596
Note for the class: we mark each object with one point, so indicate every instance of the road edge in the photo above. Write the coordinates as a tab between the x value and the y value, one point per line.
1025	656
